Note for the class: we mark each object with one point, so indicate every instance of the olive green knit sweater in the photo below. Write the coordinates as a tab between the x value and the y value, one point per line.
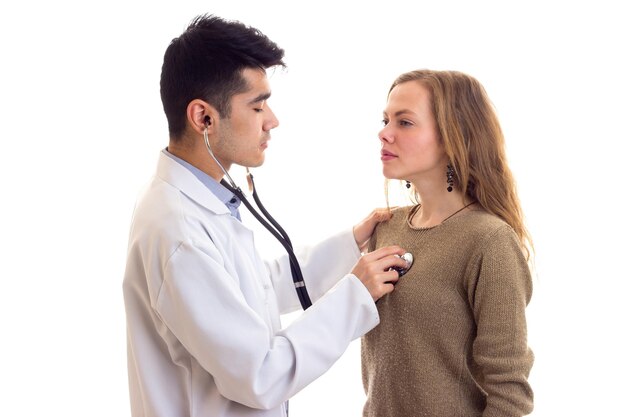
452	335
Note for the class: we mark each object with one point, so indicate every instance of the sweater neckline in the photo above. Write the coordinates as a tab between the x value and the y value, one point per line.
414	210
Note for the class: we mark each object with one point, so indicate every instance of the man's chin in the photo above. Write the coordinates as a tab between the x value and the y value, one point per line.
260	161
254	163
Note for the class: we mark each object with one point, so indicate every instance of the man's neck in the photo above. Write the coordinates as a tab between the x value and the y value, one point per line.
196	154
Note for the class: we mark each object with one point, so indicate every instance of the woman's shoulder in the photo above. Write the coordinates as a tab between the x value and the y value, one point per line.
401	210
481	226
486	229
483	220
400	215
398	220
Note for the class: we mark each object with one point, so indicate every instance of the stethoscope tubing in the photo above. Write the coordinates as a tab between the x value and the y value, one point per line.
279	233
273	227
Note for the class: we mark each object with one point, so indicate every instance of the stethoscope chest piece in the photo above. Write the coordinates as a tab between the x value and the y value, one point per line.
408	257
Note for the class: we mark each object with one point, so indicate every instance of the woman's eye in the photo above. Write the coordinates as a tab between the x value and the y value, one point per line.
405	123
384	122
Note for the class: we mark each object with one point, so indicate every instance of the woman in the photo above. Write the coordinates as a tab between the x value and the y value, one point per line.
452	336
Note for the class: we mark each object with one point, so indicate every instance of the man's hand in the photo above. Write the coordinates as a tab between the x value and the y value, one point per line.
363	231
373	269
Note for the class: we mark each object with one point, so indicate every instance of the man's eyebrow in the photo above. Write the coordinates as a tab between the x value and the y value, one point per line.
259	98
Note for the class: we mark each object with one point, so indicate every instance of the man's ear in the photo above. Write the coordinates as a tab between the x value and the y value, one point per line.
201	115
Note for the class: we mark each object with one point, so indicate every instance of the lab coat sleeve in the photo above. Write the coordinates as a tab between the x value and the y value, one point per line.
323	265
204	310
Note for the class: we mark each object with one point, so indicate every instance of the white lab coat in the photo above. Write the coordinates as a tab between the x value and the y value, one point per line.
204	332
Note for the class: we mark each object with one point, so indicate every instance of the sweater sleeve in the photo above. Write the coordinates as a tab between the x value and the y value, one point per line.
499	294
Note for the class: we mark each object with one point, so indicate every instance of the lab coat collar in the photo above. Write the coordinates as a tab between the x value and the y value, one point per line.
181	178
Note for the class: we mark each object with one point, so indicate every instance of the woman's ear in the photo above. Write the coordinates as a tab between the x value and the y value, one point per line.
200	116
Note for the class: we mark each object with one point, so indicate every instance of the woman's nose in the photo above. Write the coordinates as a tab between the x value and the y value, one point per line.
385	135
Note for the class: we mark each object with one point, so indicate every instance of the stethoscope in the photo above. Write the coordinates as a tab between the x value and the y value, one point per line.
275	229
268	222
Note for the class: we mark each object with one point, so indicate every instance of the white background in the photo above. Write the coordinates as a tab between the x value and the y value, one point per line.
82	127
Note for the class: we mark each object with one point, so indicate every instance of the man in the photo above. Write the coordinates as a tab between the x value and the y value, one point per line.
204	335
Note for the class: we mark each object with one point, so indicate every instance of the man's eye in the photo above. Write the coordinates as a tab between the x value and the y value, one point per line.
384	122
258	110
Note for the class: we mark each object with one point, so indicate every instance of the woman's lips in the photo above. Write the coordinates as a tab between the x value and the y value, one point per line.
387	156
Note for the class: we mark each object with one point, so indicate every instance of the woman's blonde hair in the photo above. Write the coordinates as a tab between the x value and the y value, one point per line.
473	141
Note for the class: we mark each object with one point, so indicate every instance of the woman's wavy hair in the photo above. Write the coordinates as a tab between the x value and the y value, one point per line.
473	141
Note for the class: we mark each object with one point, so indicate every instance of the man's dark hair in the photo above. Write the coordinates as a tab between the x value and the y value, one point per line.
206	62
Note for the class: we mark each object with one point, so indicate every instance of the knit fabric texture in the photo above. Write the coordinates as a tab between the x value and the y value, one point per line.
452	335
